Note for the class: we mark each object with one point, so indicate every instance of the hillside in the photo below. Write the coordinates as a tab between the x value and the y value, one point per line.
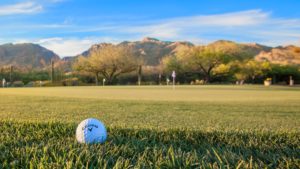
26	55
240	50
151	49
281	55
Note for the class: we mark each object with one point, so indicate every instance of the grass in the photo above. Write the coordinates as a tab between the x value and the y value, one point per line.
152	127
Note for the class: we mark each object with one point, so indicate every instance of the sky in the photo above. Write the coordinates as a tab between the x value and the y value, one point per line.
69	27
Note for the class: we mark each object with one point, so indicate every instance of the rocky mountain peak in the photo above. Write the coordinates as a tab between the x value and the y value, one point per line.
148	39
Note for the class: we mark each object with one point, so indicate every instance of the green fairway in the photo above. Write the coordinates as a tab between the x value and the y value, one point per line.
152	127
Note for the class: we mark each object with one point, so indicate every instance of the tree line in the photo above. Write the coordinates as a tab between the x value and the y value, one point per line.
205	63
120	64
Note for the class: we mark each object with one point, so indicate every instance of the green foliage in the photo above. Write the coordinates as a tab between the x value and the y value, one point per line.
24	75
70	82
282	73
251	69
34	76
222	69
17	84
197	59
241	76
171	63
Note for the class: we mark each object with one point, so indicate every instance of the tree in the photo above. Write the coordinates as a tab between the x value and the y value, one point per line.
52	71
255	68
198	59
222	69
170	63
241	77
139	74
110	61
251	69
282	73
10	74
83	65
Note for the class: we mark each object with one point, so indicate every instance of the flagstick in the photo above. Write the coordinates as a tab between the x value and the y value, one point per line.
173	83
174	76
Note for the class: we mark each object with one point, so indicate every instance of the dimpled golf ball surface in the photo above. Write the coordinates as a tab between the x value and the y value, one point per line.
91	131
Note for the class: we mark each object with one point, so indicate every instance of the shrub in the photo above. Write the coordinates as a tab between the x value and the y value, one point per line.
197	82
30	84
18	84
70	82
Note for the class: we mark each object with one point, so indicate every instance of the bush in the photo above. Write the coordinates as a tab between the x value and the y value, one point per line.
30	84
18	84
70	82
197	82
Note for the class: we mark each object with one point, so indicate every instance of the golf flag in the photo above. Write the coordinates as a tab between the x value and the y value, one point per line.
173	74
3	82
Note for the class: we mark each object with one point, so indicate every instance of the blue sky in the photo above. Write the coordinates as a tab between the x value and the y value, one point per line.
69	27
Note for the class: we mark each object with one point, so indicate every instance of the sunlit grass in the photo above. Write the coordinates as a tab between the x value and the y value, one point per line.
156	127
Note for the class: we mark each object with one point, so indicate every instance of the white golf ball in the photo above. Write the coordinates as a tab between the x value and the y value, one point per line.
91	131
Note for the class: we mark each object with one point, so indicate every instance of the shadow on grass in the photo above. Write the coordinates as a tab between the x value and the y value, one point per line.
265	147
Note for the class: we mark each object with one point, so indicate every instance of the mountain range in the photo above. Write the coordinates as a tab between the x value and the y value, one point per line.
30	56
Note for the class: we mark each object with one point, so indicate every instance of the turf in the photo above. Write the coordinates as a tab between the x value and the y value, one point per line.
152	127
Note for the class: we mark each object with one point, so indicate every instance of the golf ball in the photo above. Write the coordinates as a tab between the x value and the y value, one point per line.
91	131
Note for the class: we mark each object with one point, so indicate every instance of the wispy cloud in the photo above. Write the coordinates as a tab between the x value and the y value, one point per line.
20	8
242	18
251	25
172	27
236	23
244	26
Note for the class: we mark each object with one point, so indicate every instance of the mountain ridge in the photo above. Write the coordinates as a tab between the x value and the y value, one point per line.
26	55
31	55
151	49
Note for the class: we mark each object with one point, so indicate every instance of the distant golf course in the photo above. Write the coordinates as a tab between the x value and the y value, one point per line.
211	126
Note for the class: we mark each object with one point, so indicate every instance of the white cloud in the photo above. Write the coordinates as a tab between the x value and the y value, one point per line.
72	46
20	8
254	25
242	18
66	47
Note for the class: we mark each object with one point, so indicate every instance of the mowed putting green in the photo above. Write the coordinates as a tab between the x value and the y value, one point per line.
152	127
